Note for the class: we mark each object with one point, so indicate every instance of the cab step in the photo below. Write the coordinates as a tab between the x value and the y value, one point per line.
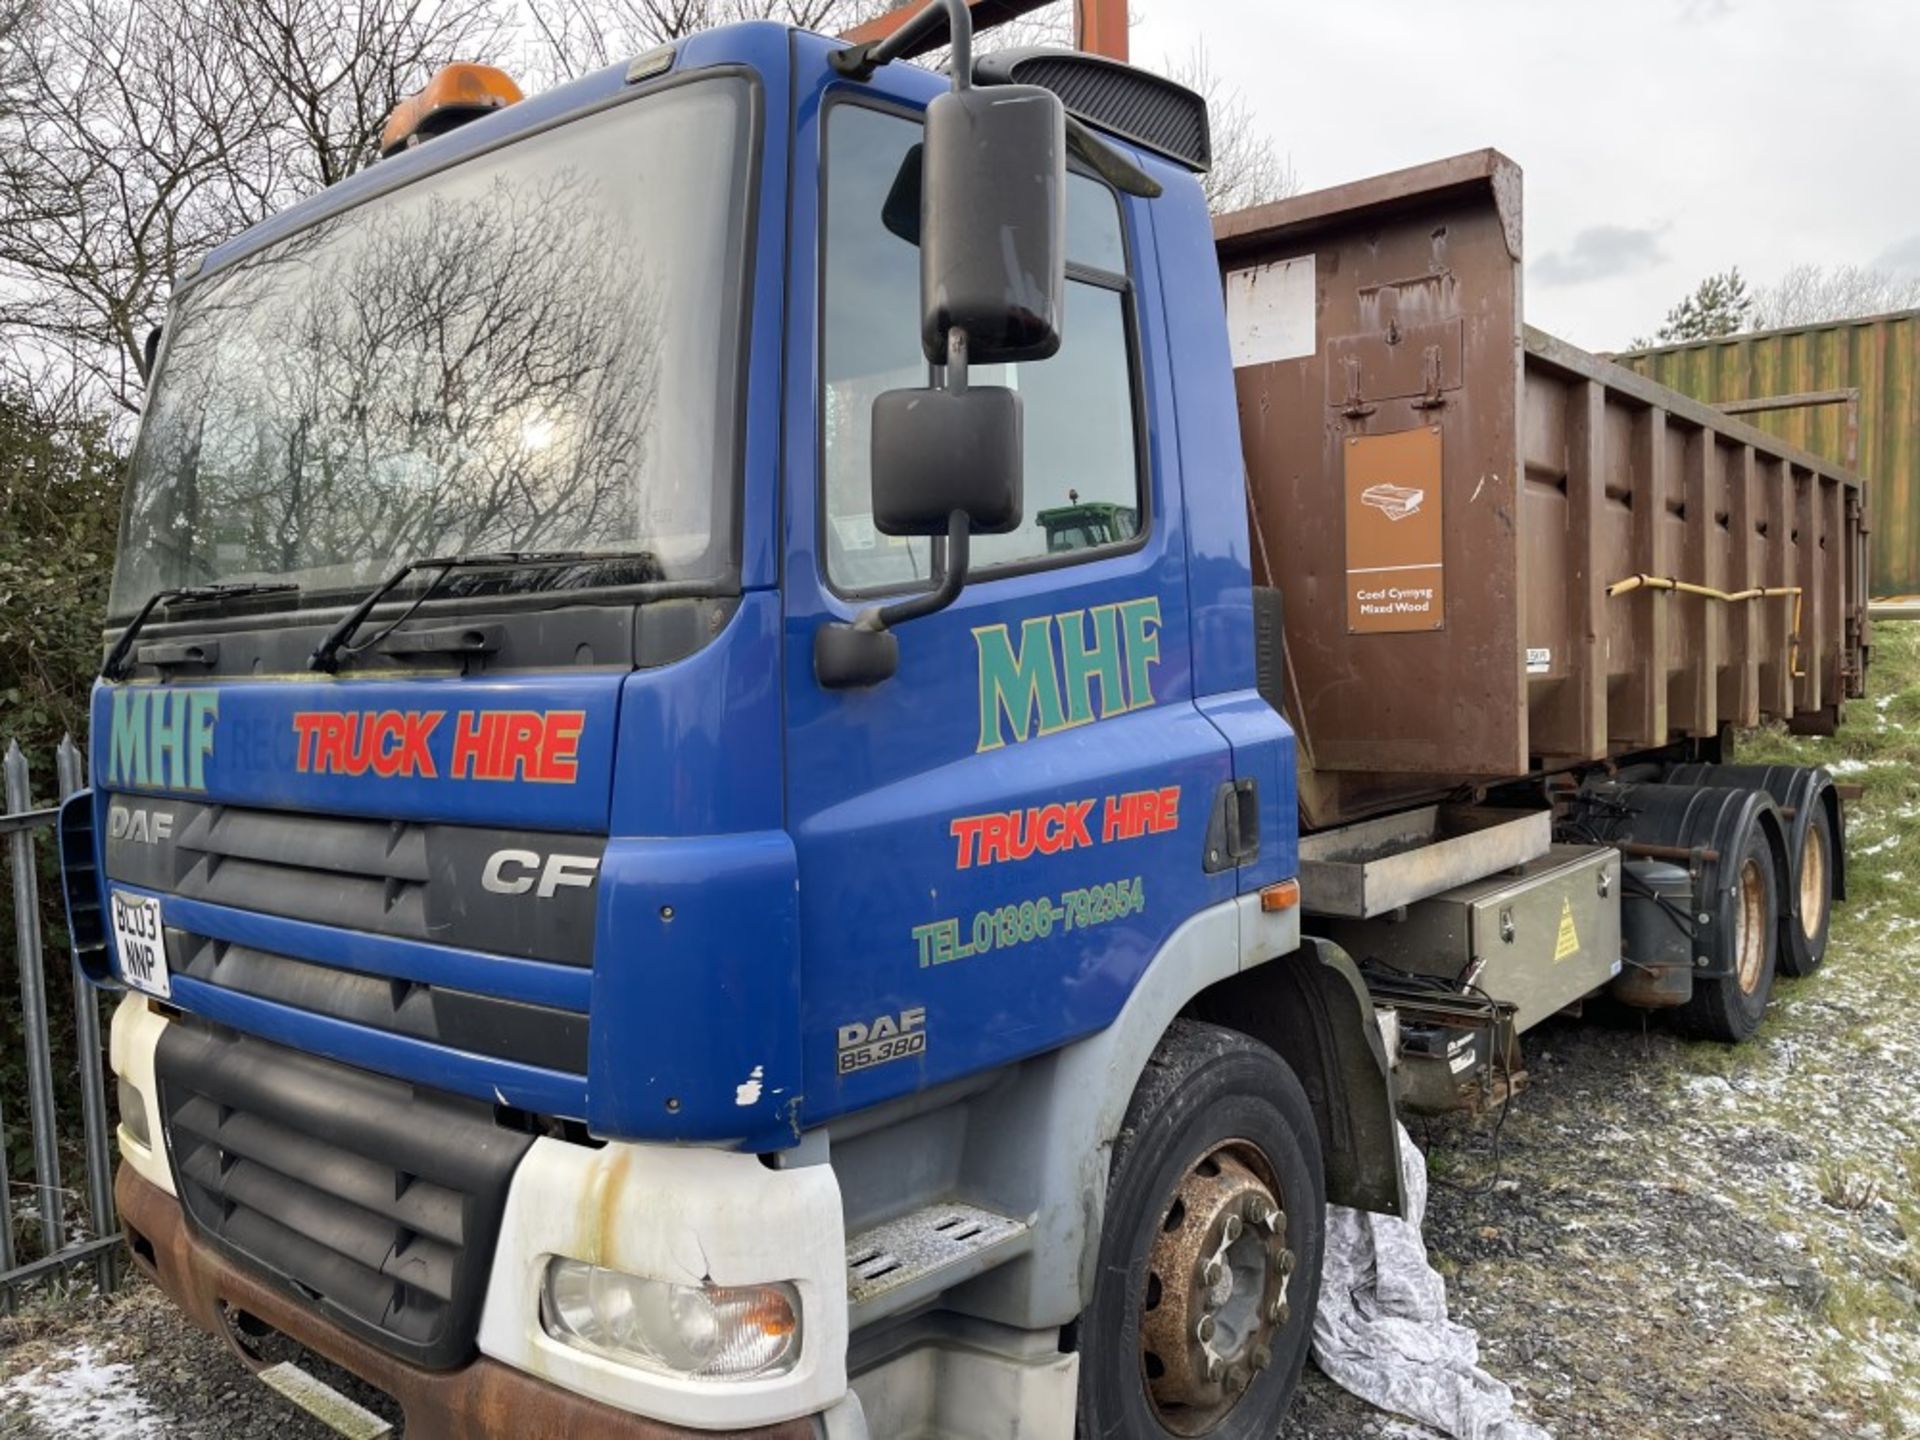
324	1403
894	1266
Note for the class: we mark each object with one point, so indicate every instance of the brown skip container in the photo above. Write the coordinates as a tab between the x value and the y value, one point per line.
1500	555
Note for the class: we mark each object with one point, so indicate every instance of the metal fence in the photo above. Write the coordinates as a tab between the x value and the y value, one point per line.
45	1228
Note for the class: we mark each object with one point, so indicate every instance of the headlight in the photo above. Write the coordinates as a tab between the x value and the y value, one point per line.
705	1332
133	1112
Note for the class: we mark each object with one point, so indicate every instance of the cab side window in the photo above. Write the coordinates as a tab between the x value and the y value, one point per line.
1083	482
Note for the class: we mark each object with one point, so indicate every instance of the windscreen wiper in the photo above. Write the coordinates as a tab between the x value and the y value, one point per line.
115	667
326	655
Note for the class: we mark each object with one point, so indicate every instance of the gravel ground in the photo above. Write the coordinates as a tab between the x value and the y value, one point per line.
1669	1237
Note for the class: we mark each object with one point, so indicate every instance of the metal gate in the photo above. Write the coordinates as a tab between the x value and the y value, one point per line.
45	1227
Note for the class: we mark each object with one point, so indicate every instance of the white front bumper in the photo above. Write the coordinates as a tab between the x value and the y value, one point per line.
678	1214
686	1216
133	1038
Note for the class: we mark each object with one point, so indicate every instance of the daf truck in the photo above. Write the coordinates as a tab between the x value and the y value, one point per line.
784	752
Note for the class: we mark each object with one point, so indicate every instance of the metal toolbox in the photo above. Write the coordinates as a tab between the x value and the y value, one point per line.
1540	937
1377	866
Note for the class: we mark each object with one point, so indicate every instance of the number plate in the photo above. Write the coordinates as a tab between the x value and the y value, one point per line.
143	950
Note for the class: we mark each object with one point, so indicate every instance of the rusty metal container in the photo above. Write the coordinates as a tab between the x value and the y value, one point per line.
1501	555
1848	391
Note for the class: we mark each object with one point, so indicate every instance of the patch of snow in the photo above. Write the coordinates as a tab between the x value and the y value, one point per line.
87	1398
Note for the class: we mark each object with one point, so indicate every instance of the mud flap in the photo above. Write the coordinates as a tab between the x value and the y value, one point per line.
1312	1007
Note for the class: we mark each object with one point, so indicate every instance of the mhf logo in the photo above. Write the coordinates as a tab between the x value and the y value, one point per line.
1047	680
160	738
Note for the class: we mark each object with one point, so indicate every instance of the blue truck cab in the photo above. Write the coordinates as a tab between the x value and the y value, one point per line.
556	993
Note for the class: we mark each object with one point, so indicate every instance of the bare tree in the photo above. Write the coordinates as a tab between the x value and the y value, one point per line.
136	135
124	120
327	74
141	133
1814	294
1248	167
573	37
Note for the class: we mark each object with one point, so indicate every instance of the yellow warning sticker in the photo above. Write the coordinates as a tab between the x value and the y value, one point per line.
1568	942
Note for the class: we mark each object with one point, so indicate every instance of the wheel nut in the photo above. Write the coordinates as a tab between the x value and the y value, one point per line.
1262	1357
1216	1367
1232	1228
1283	1261
1210	1276
1203	1331
1279	1310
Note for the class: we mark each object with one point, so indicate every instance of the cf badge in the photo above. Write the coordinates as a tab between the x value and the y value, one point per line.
520	872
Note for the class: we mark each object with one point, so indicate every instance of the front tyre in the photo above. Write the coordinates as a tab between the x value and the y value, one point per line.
1210	1255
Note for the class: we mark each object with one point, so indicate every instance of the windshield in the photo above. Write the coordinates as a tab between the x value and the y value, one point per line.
536	349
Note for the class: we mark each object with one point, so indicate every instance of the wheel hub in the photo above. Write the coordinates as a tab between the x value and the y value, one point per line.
1216	1290
1750	926
1813	884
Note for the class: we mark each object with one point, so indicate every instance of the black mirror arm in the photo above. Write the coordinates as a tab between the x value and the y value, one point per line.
865	652
921	33
927	602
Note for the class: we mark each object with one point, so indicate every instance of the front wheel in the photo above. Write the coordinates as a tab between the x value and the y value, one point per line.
1210	1254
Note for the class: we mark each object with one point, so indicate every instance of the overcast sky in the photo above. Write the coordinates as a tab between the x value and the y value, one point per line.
1662	140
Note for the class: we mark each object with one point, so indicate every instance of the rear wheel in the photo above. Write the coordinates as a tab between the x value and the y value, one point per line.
1806	941
1730	1007
1210	1253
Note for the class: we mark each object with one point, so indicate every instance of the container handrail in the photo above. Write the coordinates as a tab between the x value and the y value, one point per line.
1708	592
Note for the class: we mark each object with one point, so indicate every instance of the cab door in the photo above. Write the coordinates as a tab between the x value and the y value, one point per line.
994	842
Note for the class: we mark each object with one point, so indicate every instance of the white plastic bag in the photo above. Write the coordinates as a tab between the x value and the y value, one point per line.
1382	1329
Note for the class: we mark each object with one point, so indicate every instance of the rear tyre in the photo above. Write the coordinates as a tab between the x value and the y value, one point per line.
1209	1261
1805	942
1730	1007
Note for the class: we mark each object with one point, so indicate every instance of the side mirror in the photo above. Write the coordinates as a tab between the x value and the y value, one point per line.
993	223
941	452
993	278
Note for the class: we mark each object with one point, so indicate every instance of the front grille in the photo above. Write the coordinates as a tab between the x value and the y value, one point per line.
406	879
527	1034
376	1200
